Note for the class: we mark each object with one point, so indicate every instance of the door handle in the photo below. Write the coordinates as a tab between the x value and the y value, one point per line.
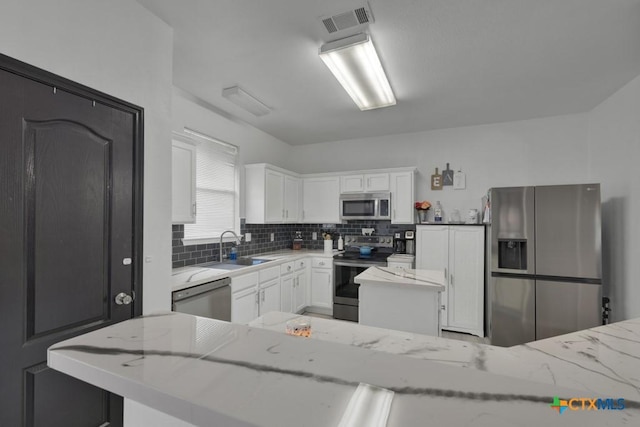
124	299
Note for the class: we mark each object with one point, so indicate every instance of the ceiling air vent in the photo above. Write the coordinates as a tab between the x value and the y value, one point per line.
349	19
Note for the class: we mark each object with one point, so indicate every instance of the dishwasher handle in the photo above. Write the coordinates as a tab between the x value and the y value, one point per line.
200	289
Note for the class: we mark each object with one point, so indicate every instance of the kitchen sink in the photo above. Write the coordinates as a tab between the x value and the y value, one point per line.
247	261
236	263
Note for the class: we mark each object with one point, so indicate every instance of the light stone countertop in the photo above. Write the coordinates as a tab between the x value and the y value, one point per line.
601	360
193	275
401	277
208	372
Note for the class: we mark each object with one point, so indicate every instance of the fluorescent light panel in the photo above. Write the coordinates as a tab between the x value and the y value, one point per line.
369	406
355	63
242	99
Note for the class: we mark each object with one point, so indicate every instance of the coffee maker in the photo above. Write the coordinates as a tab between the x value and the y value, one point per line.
404	242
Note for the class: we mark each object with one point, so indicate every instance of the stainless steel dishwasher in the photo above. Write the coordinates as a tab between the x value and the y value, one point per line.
211	299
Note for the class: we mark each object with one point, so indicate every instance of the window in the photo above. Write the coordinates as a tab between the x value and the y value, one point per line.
217	198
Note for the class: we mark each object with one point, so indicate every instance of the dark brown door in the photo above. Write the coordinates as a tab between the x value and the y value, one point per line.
69	217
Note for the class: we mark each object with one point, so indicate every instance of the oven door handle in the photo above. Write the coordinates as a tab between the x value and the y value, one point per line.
352	264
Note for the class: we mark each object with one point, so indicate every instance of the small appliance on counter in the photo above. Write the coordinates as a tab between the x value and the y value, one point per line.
297	241
404	242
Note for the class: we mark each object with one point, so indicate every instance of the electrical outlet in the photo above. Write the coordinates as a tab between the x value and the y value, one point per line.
314	235
273	237
247	237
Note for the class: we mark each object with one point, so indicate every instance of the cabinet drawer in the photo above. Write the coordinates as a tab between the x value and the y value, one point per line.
322	263
286	268
269	274
243	282
301	263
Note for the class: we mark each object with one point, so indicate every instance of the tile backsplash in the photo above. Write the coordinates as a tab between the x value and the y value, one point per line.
261	239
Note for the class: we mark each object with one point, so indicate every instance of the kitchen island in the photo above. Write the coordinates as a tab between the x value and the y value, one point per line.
401	299
183	370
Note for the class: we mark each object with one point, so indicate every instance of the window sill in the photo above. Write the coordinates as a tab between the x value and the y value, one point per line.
228	238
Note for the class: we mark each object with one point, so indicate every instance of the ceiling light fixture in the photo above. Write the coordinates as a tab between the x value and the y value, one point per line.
355	63
246	101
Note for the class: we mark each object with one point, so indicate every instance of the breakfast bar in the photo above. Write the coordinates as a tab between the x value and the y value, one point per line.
182	370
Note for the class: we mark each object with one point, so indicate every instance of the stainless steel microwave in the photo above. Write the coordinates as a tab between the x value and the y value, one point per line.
365	206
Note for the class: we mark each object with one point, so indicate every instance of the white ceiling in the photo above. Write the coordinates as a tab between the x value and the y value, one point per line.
450	62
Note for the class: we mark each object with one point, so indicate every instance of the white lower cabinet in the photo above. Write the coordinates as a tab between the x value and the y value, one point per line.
293	285
322	283
300	285
459	252
254	294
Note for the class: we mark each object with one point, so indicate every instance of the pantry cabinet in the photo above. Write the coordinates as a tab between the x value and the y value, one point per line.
402	197
183	182
459	252
321	200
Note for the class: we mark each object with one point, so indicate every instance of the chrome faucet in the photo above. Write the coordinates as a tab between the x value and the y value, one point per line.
238	240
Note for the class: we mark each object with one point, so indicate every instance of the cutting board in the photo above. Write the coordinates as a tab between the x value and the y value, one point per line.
436	181
447	176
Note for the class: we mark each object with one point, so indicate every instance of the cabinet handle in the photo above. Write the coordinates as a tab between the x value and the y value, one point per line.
263	296
257	298
302	264
288	268
193	208
283	213
368	182
451	279
394	214
442	307
445	273
286	213
321	263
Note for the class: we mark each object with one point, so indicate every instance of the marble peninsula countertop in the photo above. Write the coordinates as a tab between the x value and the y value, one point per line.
402	277
208	372
193	275
603	360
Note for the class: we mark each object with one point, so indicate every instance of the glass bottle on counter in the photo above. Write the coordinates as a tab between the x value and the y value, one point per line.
437	212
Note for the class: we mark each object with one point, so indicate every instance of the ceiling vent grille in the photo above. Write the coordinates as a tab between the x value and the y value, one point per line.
347	20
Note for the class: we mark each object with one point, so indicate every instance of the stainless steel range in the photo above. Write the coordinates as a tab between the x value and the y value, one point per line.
349	264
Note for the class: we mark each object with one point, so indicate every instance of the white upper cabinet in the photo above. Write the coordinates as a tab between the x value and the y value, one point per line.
364	183
402	197
321	200
183	182
272	195
292	190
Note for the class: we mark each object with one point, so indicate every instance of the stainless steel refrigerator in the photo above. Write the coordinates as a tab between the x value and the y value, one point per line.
545	262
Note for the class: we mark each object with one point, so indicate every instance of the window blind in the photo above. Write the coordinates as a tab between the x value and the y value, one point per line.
216	189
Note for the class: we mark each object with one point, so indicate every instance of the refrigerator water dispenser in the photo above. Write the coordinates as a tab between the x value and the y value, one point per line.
512	254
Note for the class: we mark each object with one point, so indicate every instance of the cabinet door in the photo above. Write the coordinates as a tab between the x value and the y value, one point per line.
291	198
402	197
287	293
274	196
244	306
183	183
352	184
376	182
270	296
466	279
320	200
321	287
432	253
300	292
